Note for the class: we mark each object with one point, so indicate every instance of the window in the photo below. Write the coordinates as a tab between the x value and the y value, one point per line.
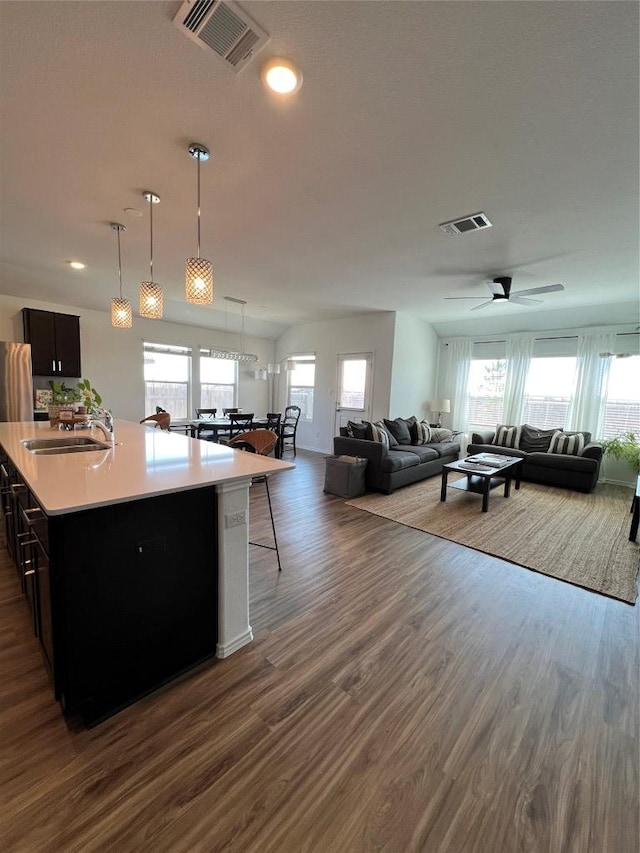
218	382
301	384
622	409
167	379
486	391
548	391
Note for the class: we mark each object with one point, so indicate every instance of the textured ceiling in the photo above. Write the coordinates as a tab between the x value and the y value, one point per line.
328	204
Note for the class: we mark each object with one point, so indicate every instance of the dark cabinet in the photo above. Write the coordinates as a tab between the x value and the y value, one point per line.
55	342
124	597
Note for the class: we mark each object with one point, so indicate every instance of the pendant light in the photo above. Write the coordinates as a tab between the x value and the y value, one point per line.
121	314
198	283
151	293
234	355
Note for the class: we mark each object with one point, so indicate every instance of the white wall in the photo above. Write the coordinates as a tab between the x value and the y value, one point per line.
415	357
112	358
366	333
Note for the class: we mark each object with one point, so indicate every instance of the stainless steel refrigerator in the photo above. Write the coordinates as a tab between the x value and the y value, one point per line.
16	384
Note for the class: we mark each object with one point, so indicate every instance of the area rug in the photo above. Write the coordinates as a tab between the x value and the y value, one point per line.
575	537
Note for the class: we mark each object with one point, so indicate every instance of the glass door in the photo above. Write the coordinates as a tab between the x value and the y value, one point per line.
353	402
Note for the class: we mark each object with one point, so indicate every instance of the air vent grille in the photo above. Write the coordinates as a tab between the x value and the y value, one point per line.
474	222
222	27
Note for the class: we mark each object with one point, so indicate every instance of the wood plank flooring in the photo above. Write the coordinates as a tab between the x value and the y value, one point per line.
402	694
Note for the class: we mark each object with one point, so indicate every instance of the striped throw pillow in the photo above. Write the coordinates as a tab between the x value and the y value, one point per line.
571	444
507	436
380	434
423	433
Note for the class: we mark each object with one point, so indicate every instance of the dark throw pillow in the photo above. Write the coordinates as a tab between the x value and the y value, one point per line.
533	440
399	430
360	429
385	436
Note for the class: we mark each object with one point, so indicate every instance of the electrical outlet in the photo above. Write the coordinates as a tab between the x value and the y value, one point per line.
234	519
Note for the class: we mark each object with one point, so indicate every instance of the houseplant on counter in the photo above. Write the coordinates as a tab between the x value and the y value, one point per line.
61	396
89	398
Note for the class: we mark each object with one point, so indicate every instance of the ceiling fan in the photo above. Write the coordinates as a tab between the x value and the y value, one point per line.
500	287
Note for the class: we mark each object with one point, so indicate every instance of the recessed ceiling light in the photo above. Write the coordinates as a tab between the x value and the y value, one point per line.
76	265
282	76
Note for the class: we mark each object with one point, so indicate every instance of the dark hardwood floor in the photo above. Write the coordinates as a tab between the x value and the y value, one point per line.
403	693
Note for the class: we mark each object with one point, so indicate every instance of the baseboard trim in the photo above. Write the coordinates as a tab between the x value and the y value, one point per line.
224	650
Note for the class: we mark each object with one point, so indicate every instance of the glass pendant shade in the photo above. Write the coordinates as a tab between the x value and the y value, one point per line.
198	281
121	314
198	274
151	300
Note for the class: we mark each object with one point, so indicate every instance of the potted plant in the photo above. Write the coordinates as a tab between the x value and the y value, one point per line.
89	397
61	395
625	447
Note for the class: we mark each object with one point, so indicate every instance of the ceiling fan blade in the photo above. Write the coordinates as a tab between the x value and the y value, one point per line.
484	305
548	288
521	300
463	297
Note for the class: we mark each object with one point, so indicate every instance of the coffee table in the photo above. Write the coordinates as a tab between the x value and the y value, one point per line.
482	476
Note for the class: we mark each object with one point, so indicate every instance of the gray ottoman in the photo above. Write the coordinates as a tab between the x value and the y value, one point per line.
344	476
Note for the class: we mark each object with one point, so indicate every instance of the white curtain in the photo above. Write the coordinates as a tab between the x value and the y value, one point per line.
519	352
595	354
459	355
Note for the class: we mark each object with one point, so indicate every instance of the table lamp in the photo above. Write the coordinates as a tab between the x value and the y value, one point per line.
440	407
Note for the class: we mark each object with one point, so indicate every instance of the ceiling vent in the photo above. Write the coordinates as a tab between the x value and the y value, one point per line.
223	28
475	222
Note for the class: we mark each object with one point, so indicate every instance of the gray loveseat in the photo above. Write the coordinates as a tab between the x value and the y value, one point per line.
388	468
579	472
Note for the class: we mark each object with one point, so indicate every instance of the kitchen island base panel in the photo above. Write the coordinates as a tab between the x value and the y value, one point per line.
135	598
234	630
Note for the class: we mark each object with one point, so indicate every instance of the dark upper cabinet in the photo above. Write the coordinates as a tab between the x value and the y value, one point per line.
55	342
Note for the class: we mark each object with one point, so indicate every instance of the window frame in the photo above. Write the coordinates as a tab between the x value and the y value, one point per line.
205	352
306	358
151	401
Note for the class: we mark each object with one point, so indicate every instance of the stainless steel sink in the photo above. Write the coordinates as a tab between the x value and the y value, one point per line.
64	444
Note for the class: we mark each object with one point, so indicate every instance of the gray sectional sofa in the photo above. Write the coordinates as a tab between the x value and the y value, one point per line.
388	468
579	472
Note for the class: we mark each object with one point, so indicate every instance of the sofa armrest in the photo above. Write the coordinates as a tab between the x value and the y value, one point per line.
483	436
593	450
371	450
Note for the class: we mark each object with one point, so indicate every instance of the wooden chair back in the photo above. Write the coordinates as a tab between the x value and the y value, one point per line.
260	441
162	420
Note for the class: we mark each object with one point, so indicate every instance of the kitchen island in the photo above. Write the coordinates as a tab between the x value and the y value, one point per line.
133	557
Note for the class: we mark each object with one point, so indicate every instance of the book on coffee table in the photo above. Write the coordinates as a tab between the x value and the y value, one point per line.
493	460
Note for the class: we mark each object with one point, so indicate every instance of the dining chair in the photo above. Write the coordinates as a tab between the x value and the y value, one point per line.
289	428
162	420
274	423
226	412
263	442
239	422
202	431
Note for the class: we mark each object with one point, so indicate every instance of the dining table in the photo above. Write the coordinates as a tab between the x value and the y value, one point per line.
219	427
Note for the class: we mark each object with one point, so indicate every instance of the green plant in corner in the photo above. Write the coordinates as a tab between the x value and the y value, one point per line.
89	397
625	447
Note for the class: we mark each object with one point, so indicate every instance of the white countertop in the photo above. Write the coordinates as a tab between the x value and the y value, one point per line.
144	462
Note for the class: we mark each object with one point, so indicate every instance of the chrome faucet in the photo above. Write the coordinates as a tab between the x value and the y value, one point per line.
105	425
